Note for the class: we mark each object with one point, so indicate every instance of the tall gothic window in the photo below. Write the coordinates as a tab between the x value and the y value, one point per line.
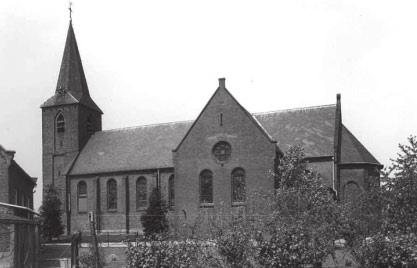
111	194
238	185
141	193
60	123
82	196
171	193
206	187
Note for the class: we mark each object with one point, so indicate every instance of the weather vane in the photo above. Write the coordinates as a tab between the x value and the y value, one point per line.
70	9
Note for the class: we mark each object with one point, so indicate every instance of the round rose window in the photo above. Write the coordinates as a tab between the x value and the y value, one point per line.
222	151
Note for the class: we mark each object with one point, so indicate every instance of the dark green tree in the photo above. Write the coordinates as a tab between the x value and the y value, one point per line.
154	219
51	214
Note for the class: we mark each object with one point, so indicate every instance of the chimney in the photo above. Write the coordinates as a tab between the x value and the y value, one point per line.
222	82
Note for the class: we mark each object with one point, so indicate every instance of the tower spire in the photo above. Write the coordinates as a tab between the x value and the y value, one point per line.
70	9
72	85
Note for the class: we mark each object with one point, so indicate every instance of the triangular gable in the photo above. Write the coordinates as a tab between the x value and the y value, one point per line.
353	151
250	116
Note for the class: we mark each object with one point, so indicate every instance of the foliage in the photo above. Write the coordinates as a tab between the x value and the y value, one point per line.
161	252
235	245
389	251
51	214
88	259
392	241
154	219
305	219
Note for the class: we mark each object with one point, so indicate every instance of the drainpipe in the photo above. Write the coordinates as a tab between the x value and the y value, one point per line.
127	203
337	145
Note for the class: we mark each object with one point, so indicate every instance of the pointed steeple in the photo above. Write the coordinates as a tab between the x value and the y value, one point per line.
72	84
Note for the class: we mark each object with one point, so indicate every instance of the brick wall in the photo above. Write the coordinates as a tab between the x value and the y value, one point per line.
352	178
251	150
325	170
21	184
4	177
115	220
60	149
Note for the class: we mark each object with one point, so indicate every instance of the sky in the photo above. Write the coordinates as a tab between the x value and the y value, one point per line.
158	61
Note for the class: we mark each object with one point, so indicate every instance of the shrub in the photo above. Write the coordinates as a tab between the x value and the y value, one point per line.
154	220
162	253
388	251
235	246
51	214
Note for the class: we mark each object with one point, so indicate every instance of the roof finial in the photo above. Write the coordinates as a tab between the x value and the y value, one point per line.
70	10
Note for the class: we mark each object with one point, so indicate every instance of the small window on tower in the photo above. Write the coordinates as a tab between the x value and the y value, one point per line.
60	123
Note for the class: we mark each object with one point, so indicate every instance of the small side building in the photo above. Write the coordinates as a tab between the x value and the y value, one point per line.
19	235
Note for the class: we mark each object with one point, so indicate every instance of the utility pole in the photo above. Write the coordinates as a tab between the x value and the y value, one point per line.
94	236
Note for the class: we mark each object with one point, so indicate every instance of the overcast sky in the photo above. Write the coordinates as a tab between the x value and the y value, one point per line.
158	61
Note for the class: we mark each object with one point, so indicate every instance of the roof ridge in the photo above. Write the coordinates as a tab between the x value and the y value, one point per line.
295	109
148	125
191	120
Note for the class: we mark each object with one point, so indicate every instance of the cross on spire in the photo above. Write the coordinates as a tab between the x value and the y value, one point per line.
70	10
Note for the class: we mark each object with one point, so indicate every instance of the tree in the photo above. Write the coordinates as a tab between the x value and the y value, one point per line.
305	219
154	220
393	243
51	214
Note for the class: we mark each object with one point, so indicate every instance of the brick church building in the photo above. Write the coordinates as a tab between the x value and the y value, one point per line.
198	166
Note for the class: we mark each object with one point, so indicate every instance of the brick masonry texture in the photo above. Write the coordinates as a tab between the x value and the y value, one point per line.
16	186
251	150
223	119
156	153
60	149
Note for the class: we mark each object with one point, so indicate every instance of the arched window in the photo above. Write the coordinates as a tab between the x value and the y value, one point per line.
171	192
238	185
111	194
60	123
351	191
82	196
141	193
206	187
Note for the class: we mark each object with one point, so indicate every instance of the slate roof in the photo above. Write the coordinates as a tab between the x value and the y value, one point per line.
136	148
149	147
72	85
310	127
353	151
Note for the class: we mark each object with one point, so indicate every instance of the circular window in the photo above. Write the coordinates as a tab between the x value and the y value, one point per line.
222	151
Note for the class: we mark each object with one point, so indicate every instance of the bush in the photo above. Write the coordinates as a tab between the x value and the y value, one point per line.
51	214
236	247
392	242
388	251
162	253
88	259
154	220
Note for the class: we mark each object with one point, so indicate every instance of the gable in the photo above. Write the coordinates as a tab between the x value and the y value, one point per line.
353	151
223	108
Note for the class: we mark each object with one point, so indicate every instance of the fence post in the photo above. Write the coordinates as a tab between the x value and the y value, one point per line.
75	243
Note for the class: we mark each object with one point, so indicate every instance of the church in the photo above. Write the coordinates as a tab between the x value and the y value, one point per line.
198	166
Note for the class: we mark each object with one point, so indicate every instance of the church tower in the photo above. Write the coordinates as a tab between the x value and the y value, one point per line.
69	118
